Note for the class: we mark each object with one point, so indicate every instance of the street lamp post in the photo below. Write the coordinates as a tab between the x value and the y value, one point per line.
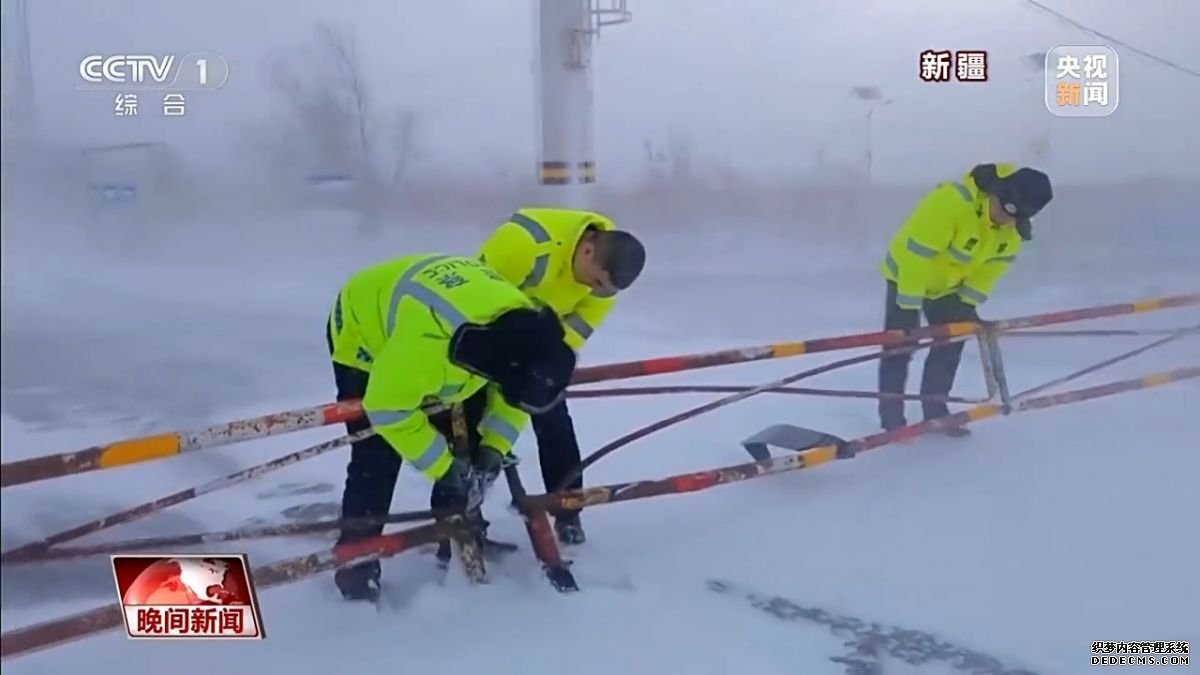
871	137
1035	64
874	97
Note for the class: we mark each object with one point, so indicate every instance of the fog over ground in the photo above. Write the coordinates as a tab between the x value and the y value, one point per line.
735	116
760	85
727	137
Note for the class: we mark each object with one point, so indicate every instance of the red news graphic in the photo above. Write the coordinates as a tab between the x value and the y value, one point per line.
187	596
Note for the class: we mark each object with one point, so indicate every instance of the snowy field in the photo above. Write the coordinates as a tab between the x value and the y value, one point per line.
1024	544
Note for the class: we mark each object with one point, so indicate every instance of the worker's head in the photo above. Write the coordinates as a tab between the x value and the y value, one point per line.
608	260
1014	197
523	352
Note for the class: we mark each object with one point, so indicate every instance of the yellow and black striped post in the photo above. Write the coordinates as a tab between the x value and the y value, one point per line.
559	173
553	173
586	172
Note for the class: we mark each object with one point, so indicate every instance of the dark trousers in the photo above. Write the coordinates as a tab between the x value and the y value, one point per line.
941	364
558	449
375	465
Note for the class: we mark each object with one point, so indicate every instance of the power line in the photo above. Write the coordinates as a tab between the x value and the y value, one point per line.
1157	59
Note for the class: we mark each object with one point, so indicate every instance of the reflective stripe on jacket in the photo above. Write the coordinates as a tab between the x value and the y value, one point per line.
394	320
950	245
535	250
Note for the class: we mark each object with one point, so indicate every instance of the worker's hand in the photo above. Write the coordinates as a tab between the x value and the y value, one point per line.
453	489
488	462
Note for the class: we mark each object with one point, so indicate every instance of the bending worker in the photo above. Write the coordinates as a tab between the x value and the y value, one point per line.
575	262
427	329
956	244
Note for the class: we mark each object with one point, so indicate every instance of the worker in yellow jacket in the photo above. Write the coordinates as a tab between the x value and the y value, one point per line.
428	329
961	238
574	262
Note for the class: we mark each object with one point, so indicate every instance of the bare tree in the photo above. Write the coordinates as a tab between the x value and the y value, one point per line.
332	125
679	147
403	144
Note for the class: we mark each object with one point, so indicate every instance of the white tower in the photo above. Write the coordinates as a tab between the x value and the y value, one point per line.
16	106
567	31
16	99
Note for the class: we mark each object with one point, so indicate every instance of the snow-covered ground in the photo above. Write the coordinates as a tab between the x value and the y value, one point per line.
1041	534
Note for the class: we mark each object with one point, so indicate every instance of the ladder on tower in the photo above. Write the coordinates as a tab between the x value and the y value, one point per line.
608	13
600	13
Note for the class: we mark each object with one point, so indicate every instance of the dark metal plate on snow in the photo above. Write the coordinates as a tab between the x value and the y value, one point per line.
787	437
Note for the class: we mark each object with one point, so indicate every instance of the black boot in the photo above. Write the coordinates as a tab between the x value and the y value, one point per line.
360	582
444	553
569	529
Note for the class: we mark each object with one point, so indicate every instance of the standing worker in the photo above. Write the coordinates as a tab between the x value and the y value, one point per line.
958	241
430	329
575	262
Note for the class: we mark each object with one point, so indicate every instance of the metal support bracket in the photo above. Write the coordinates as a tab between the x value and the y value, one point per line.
993	367
793	438
467	548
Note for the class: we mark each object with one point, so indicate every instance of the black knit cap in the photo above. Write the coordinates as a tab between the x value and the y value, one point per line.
624	257
523	351
1028	190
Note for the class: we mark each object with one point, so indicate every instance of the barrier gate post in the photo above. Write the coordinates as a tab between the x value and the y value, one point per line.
993	367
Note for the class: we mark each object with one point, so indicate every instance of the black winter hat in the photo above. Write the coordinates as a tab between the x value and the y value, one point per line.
1027	190
1022	193
522	351
624	257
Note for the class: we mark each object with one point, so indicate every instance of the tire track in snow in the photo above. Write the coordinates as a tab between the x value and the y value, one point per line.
869	643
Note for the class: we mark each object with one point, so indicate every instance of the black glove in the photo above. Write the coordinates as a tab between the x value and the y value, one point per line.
488	462
465	484
453	489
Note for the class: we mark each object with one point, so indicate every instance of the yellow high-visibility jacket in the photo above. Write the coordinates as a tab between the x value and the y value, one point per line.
394	320
949	244
535	250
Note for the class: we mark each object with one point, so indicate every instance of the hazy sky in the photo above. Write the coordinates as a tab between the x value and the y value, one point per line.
760	84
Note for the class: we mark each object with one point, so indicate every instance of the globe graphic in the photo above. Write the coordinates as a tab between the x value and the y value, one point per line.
187	581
